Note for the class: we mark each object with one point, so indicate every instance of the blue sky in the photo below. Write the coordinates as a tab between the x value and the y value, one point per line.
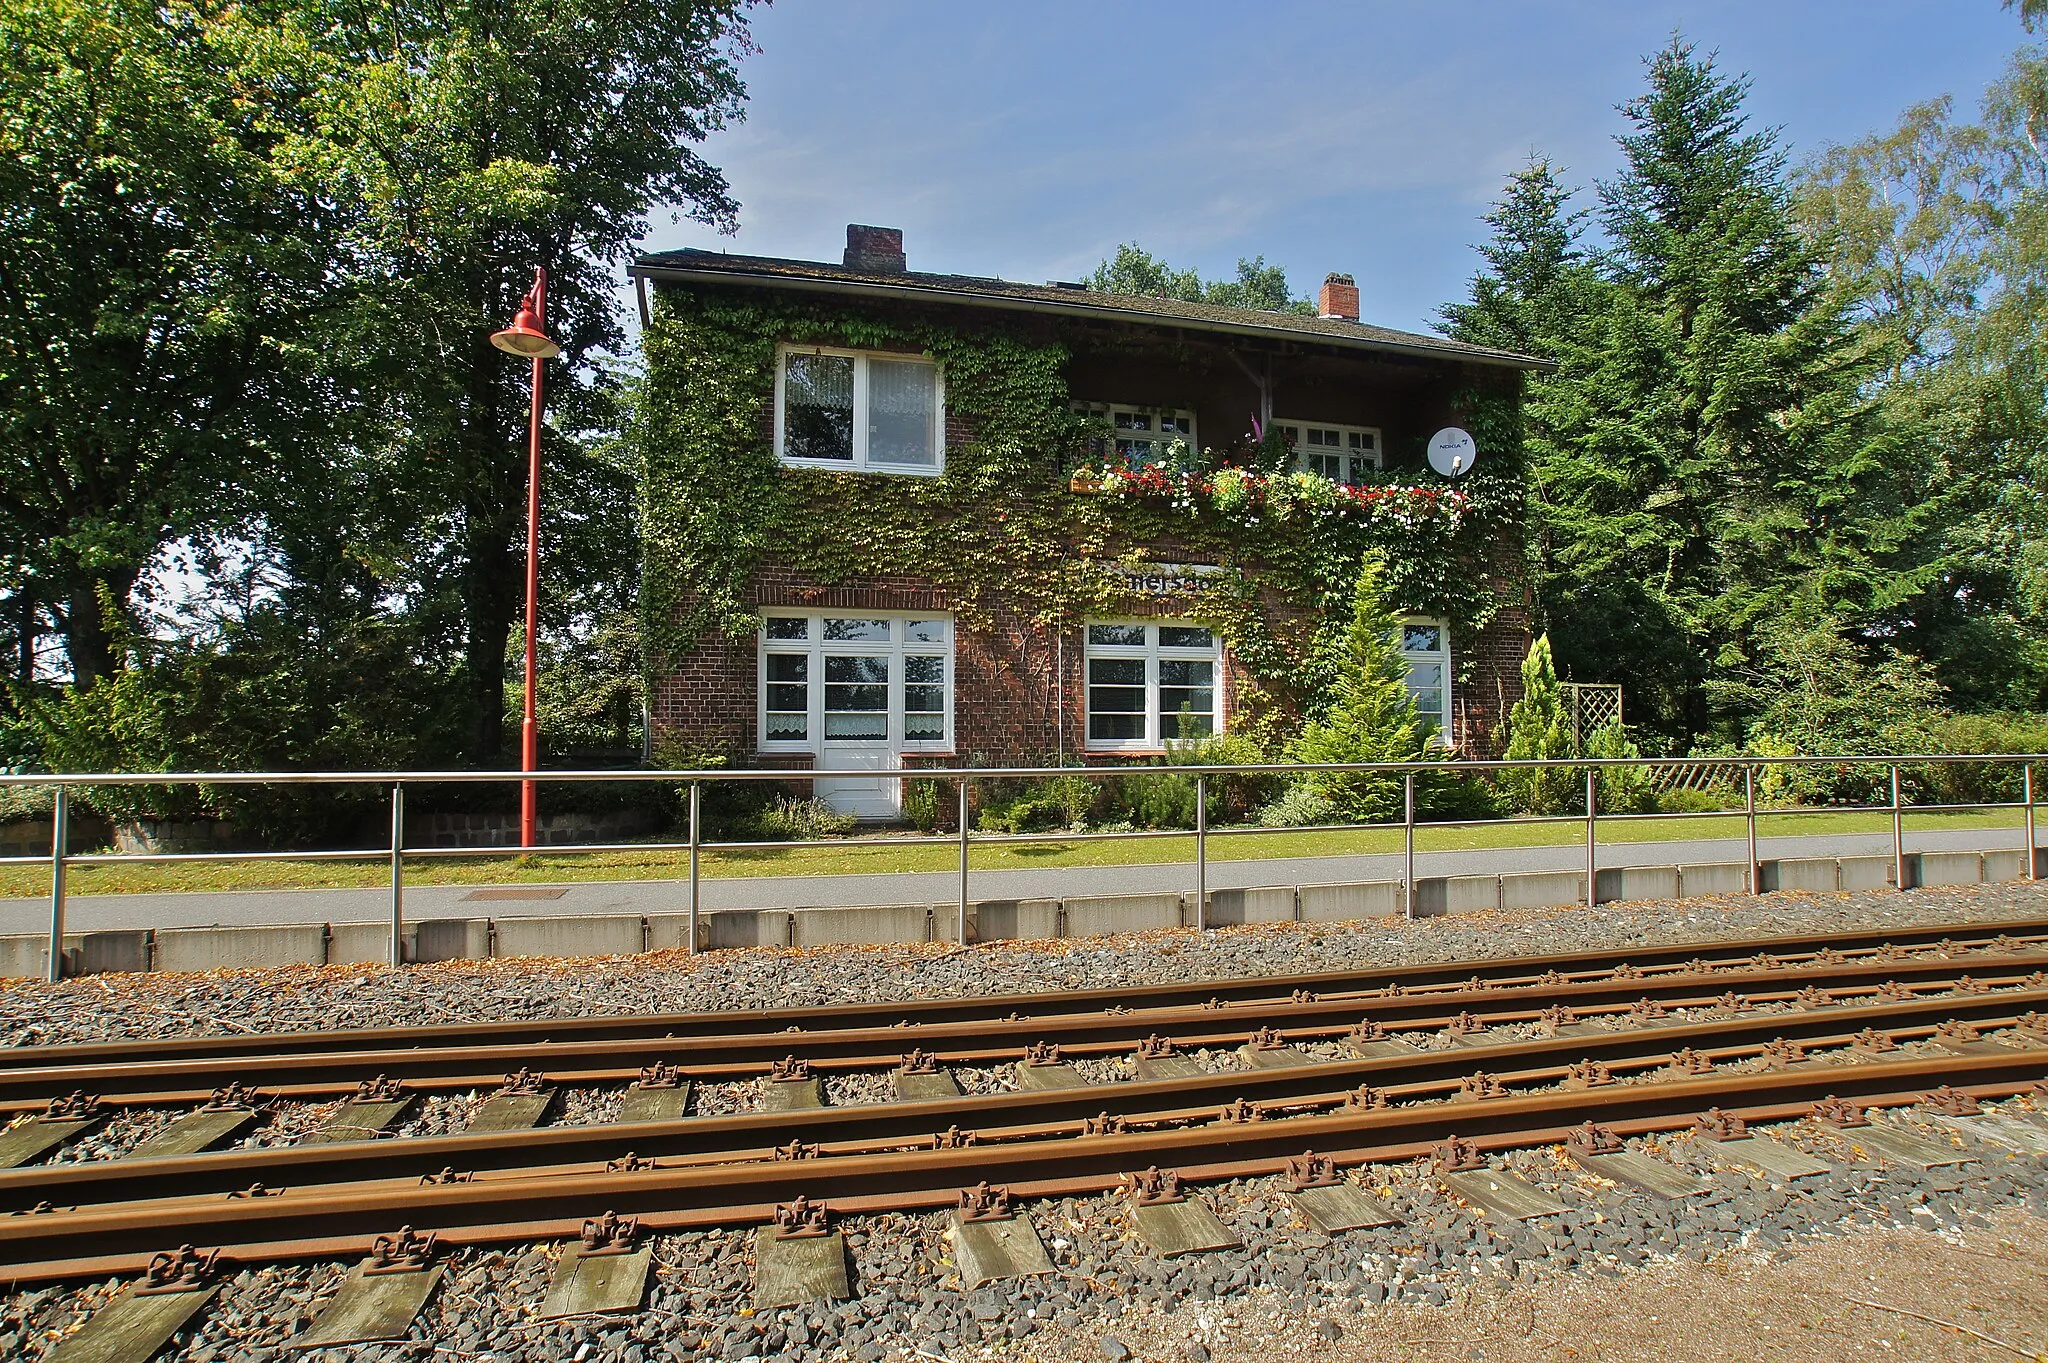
1026	140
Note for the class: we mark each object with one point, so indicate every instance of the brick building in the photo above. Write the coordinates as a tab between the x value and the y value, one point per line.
861	662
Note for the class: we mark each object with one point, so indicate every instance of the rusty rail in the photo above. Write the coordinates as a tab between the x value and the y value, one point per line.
1301	1013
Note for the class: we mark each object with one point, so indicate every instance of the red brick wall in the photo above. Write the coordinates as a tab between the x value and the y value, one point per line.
1012	683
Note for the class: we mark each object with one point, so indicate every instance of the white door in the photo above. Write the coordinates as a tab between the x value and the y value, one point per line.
859	735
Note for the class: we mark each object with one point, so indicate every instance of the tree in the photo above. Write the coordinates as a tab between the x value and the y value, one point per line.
1371	717
469	143
1705	447
1538	286
1933	233
1538	730
1258	286
159	274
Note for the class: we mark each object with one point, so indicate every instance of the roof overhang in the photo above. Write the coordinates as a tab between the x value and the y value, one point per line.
912	291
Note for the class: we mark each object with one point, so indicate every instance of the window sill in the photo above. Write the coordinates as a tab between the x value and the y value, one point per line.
847	466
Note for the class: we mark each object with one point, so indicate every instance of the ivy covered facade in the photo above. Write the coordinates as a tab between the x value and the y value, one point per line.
894	518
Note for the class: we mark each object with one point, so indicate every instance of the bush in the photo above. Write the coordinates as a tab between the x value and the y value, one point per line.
1039	806
1297	807
1811	690
25	802
929	805
1683	801
793	820
1152	800
1960	783
1457	796
1232	797
1623	790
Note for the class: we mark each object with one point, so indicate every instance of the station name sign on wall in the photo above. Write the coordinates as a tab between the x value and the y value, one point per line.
1164	579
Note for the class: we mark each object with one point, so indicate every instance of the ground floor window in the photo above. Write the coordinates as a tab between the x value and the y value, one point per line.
867	679
1426	645
1150	681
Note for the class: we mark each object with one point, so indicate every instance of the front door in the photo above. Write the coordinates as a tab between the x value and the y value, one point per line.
858	733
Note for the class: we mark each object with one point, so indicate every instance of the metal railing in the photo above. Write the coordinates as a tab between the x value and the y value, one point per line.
397	853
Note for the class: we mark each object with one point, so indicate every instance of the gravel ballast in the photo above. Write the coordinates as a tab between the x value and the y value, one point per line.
127	1007
1287	1291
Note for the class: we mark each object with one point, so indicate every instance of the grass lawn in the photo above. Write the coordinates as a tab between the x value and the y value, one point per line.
830	858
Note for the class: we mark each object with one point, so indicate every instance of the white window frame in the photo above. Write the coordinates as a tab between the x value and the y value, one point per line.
1156	436
860	461
1441	656
1356	462
1151	652
817	648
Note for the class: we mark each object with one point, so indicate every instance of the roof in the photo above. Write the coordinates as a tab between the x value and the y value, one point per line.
714	267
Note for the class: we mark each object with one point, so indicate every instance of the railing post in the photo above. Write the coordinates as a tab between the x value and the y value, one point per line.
1592	848
397	874
696	867
2027	790
1749	816
1408	840
60	838
1898	835
961	935
1201	853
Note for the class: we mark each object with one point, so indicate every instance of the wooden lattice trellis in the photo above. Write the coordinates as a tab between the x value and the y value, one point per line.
1592	705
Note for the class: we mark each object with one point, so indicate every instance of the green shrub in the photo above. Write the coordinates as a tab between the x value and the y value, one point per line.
1689	802
1155	799
793	820
1038	806
1623	790
1811	690
25	802
1232	797
1458	796
1958	783
1297	807
931	805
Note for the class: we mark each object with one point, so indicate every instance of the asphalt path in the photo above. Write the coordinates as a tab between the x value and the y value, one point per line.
88	913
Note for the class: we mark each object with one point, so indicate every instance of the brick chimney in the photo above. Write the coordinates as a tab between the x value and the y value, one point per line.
1339	297
879	250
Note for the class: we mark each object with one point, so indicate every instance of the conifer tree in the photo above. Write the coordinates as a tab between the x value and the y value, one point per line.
1372	717
1704	450
1539	729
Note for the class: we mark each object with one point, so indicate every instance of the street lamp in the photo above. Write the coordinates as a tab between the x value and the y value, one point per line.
527	337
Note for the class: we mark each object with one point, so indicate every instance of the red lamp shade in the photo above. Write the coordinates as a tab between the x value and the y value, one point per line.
525	337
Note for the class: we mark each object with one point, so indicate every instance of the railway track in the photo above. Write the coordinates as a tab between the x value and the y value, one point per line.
1295	1078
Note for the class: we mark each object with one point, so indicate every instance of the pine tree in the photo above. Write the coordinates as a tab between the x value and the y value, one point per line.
1532	294
1539	729
1704	451
1372	717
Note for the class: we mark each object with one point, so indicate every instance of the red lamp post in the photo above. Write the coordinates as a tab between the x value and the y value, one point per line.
527	337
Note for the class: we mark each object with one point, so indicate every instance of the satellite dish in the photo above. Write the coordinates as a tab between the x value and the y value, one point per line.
1452	452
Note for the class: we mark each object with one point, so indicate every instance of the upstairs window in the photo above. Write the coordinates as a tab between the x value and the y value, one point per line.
1137	435
1426	647
1342	454
1150	681
856	409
